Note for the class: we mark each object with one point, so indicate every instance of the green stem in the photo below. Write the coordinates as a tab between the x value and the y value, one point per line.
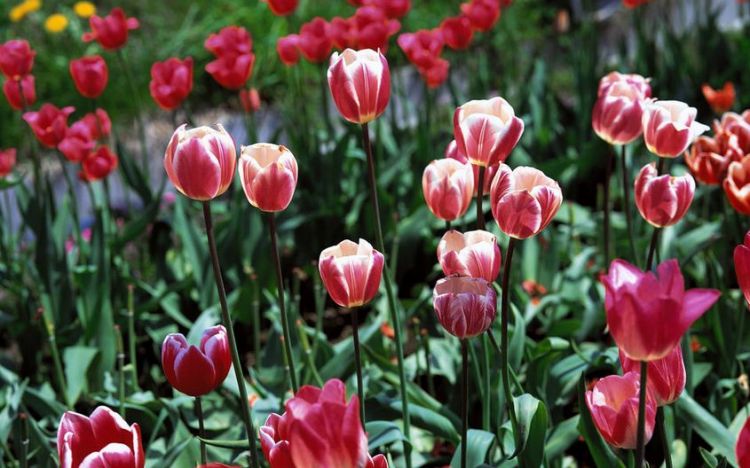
132	337
607	177
505	310
358	365
73	202
641	437
201	430
626	202
308	354
428	365
256	322
136	100
486	405
480	194
660	426
652	248
120	370
464	401
319	311
56	361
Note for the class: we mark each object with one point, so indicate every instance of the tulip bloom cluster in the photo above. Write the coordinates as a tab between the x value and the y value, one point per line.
234	58
16	63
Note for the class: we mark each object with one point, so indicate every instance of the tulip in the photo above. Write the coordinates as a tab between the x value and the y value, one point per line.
200	162
231	71
742	449
709	158
230	40
422	47
102	439
360	83
451	151
314	42
392	8
447	186
669	127
613	404
90	75
634	3
351	272
269	176
98	164
111	31
78	142
739	125
720	100
343	32
483	14
13	89
464	306
457	32
171	82
318	429
282	7
98	124
288	49
49	124
486	131
662	199
737	185
639	83
194	370
7	161
16	59
369	28
741	265
648	313
524	201
666	376
617	114
473	254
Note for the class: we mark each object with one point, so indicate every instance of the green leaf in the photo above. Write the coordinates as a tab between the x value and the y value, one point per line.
231	444
479	444
382	433
711	461
600	451
532	425
77	360
562	437
710	428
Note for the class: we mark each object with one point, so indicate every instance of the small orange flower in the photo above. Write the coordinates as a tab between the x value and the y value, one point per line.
387	330
695	344
251	399
720	100
534	290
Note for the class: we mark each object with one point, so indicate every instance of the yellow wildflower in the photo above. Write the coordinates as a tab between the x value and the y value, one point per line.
56	23
19	12
84	9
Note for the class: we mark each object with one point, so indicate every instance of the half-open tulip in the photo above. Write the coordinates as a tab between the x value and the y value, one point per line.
741	266
288	49
282	7
613	404
99	124
49	124
737	185
90	75
709	158
98	164
464	306
200	162
231	71
13	89
617	114
448	186
720	100
268	174
360	83
742	449
738	125
111	32
16	59
7	161
666	376
474	253
486	131
171	82
647	313
663	199
230	40
78	142
102	439
669	127
524	200
483	14
195	370
314	41
457	32
351	272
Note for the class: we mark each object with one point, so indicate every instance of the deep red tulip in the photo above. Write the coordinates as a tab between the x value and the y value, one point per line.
369	28
231	71
98	164
111	32
483	14
737	185
422	47
351	272
663	199
12	90
200	162
230	40
268	174
618	114
486	131
288	49
451	151
100	440
709	158
448	186
666	376
90	75
720	100
639	83
360	83
78	142
171	82
669	127
98	123
49	123
436	73
648	313
465	306
613	404
16	59
457	32
392	8
343	33
473	254
741	266
250	100
314	41
194	370
742	449
282	7
7	161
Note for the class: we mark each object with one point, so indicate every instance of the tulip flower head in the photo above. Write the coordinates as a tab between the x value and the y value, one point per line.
720	100
474	254
486	131
738	125
666	376
288	49
351	273
741	266
669	127
464	306
111	32
637	82
171	82
448	186
90	75
98	123
98	164
314	41
617	114
21	93
268	174
194	370
232	47
7	161
742	449
423	49
663	200
250	100
369	28
282	7
457	32
483	14
16	59
360	83
78	142
709	158
49	124
737	185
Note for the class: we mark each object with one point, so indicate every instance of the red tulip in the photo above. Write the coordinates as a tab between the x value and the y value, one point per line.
16	59
231	71
392	8
78	142
7	161
49	123
669	127
738	125
634	3
663	199
473	254
465	306
486	131
436	73
709	158
736	185
111	31
613	404
351	272
448	186
720	100
171	82
268	174
282	7
98	123
524	201
666	376
639	83
194	370
742	448
343	32
314	42
451	151
483	14
422	47
12	90
618	113
230	40
360	83
457	32
369	28
102	439
288	49
90	75
741	265
648	313
200	162
98	164
250	100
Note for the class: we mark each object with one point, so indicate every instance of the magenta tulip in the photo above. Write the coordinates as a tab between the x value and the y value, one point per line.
269	176
663	199
666	376
486	131
195	370
351	272
473	254
742	266
464	306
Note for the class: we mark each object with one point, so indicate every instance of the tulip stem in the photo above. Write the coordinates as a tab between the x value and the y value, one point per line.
49	327
120	370
319	312
652	248
640	441
24	420
131	337
201	429
464	401
480	194
626	201
74	205
308	353
428	365
607	177
660	426
256	323
358	365
227	321
391	297
282	310
505	310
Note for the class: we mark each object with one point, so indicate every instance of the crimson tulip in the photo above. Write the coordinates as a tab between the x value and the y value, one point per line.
709	158
16	59
314	41
360	83
282	7
736	185
231	71
111	32
448	186
7	161
268	174
99	124
486	131
483	14
196	370
464	306
720	100
422	47
663	199
369	28
49	123
351	273
230	40
474	253
78	142
669	127
90	75
457	32
288	49
666	376
21	93
171	82
741	266
742	449
392	8
98	164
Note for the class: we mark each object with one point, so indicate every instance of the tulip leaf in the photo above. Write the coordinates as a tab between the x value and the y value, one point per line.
479	445
230	444
710	428
77	360
562	436
382	433
600	451
532	425
711	461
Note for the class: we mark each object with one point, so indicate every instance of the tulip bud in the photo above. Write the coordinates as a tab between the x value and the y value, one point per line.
617	114
16	59
464	306
457	32
98	164
447	186
351	272
360	83
269	176
7	161
662	199
49	124
250	100
13	89
666	376
171	82
486	131
314	41
473	254
288	49
193	370
200	162
742	449
709	158
282	7
90	75
741	264
111	31
736	185
669	127
483	14
720	100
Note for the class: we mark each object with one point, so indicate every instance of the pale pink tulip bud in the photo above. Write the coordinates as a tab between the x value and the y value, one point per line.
464	306
637	82
351	272
617	114
524	201
200	162
486	131
669	127
448	186
268	174
663	199
360	83
666	376
473	254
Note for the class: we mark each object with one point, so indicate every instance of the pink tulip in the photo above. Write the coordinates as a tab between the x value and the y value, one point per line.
648	313
200	162
663	199
451	151
351	272
669	127
360	83
465	306
742	266
737	185
524	201
666	376
613	404
742	448
473	254
486	131
78	142
269	176
7	161
21	93
90	75
288	49
738	125
49	123
193	370
617	114
448	186
637	82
